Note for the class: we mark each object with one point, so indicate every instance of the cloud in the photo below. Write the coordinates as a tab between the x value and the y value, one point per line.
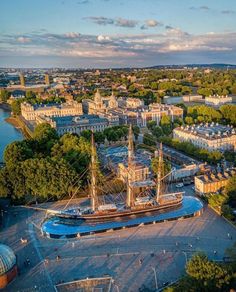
125	22
83	2
228	11
102	38
100	20
72	35
203	7
23	40
150	23
122	22
143	48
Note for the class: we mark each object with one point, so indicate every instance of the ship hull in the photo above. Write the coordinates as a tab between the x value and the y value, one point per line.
148	210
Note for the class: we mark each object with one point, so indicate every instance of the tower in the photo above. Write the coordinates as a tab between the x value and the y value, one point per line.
130	202
47	79
113	102
98	100
160	174
22	80
93	169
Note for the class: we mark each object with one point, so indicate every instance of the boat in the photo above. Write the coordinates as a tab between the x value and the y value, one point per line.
135	205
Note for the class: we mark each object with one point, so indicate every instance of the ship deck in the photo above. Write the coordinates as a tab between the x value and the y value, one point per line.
55	227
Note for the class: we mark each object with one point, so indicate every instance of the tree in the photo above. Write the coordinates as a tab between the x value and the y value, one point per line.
157	131
136	131
4	189
30	95
149	140
75	150
208	275
166	124
165	120
189	120
229	113
230	190
44	132
151	125
99	137
86	134
46	177
15	106
17	151
154	166
4	95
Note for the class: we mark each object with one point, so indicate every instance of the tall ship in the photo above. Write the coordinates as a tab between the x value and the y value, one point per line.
143	197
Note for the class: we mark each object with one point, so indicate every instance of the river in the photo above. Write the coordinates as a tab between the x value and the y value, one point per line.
8	133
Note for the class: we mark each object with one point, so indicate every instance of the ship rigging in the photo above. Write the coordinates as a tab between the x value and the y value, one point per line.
135	204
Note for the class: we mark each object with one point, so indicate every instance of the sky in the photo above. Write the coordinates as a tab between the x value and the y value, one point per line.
116	33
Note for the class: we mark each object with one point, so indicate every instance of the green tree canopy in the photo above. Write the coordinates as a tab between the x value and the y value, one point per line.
4	95
208	275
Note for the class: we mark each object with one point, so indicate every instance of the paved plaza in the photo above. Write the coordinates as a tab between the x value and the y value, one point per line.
131	257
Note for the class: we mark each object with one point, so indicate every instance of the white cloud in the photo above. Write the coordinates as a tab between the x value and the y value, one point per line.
72	35
152	23
23	40
102	38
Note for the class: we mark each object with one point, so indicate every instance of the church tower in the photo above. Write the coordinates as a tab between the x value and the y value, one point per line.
113	102
98	100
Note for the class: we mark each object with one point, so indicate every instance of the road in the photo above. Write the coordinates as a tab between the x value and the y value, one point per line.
129	256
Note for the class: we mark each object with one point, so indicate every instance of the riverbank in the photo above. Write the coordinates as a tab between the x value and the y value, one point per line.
8	132
19	124
5	106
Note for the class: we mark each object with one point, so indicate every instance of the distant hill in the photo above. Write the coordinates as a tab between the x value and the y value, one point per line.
211	66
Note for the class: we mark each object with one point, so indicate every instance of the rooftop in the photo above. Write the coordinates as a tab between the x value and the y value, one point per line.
208	131
7	259
215	177
78	120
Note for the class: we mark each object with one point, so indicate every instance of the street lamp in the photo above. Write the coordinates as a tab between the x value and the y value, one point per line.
155	275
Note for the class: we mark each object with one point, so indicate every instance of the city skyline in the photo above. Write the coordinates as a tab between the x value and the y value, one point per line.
108	33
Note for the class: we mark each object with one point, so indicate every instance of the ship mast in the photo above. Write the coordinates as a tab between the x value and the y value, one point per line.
160	173
130	202
93	169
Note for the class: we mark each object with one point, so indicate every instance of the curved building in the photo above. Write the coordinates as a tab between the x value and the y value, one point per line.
8	267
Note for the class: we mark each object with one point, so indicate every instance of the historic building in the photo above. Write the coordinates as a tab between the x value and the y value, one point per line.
99	104
212	183
134	102
31	112
130	110
77	124
8	267
217	100
156	111
208	136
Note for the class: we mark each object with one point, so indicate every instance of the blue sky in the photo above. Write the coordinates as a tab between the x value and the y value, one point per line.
116	33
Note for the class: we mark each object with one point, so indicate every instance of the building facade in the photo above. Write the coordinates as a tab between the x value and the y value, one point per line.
212	183
208	136
76	124
156	111
217	100
130	110
99	104
31	112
